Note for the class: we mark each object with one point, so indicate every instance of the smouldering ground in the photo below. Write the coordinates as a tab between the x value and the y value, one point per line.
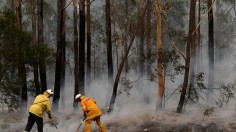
190	120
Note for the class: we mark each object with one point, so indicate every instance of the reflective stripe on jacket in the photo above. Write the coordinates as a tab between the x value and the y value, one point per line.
41	104
89	107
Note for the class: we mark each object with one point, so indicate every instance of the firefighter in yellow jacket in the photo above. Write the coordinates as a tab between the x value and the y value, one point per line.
91	112
36	110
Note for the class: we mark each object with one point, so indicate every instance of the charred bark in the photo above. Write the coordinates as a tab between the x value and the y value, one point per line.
21	65
148	53
109	45
76	56
42	67
210	50
82	47
60	55
88	76
188	48
34	41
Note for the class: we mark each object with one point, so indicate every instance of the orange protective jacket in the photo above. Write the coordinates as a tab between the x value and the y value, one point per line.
41	104
89	107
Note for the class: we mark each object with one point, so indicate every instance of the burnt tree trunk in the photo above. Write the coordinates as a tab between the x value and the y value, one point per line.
126	36
60	57
34	41
141	41
88	76
21	65
76	54
82	46
193	56
210	51
187	63
109	45
148	53
115	85
42	67
198	59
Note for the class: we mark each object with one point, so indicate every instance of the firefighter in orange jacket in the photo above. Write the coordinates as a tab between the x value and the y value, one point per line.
36	110
91	112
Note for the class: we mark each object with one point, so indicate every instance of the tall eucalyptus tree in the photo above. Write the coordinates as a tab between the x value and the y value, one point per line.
76	56
21	65
34	42
88	75
191	39
82	46
109	44
211	50
42	67
60	55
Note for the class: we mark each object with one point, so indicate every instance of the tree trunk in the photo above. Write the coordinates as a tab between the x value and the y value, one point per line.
119	38
187	63
219	38
88	76
21	65
82	46
141	42
76	56
42	67
148	53
60	57
210	52
218	33
161	89
18	14
34	41
199	55
193	55
126	33
115	85
109	45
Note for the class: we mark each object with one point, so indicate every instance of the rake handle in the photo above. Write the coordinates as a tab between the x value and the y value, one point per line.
54	124
80	125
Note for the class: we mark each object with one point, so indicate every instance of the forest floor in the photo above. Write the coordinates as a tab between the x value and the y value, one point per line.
190	120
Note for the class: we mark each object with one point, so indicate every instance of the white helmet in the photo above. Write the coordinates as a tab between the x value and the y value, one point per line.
77	96
49	91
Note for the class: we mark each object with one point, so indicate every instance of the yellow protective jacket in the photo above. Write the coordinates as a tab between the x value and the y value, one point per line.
41	104
89	107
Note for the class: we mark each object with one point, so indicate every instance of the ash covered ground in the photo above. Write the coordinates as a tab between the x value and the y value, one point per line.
194	119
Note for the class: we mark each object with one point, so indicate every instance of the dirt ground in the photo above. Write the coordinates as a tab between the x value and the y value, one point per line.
190	120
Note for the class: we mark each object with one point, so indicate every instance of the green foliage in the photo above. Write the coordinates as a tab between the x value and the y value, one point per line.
9	91
172	64
127	85
13	43
226	93
195	91
15	49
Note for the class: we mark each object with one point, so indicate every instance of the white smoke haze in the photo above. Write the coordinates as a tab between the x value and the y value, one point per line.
132	113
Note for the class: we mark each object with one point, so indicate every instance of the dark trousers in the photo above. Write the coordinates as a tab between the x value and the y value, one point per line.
31	120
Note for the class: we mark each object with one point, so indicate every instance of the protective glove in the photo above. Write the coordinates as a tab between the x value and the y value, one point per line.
49	116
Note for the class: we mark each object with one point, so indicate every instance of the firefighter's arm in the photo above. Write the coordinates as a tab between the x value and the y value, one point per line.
83	107
94	101
48	109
